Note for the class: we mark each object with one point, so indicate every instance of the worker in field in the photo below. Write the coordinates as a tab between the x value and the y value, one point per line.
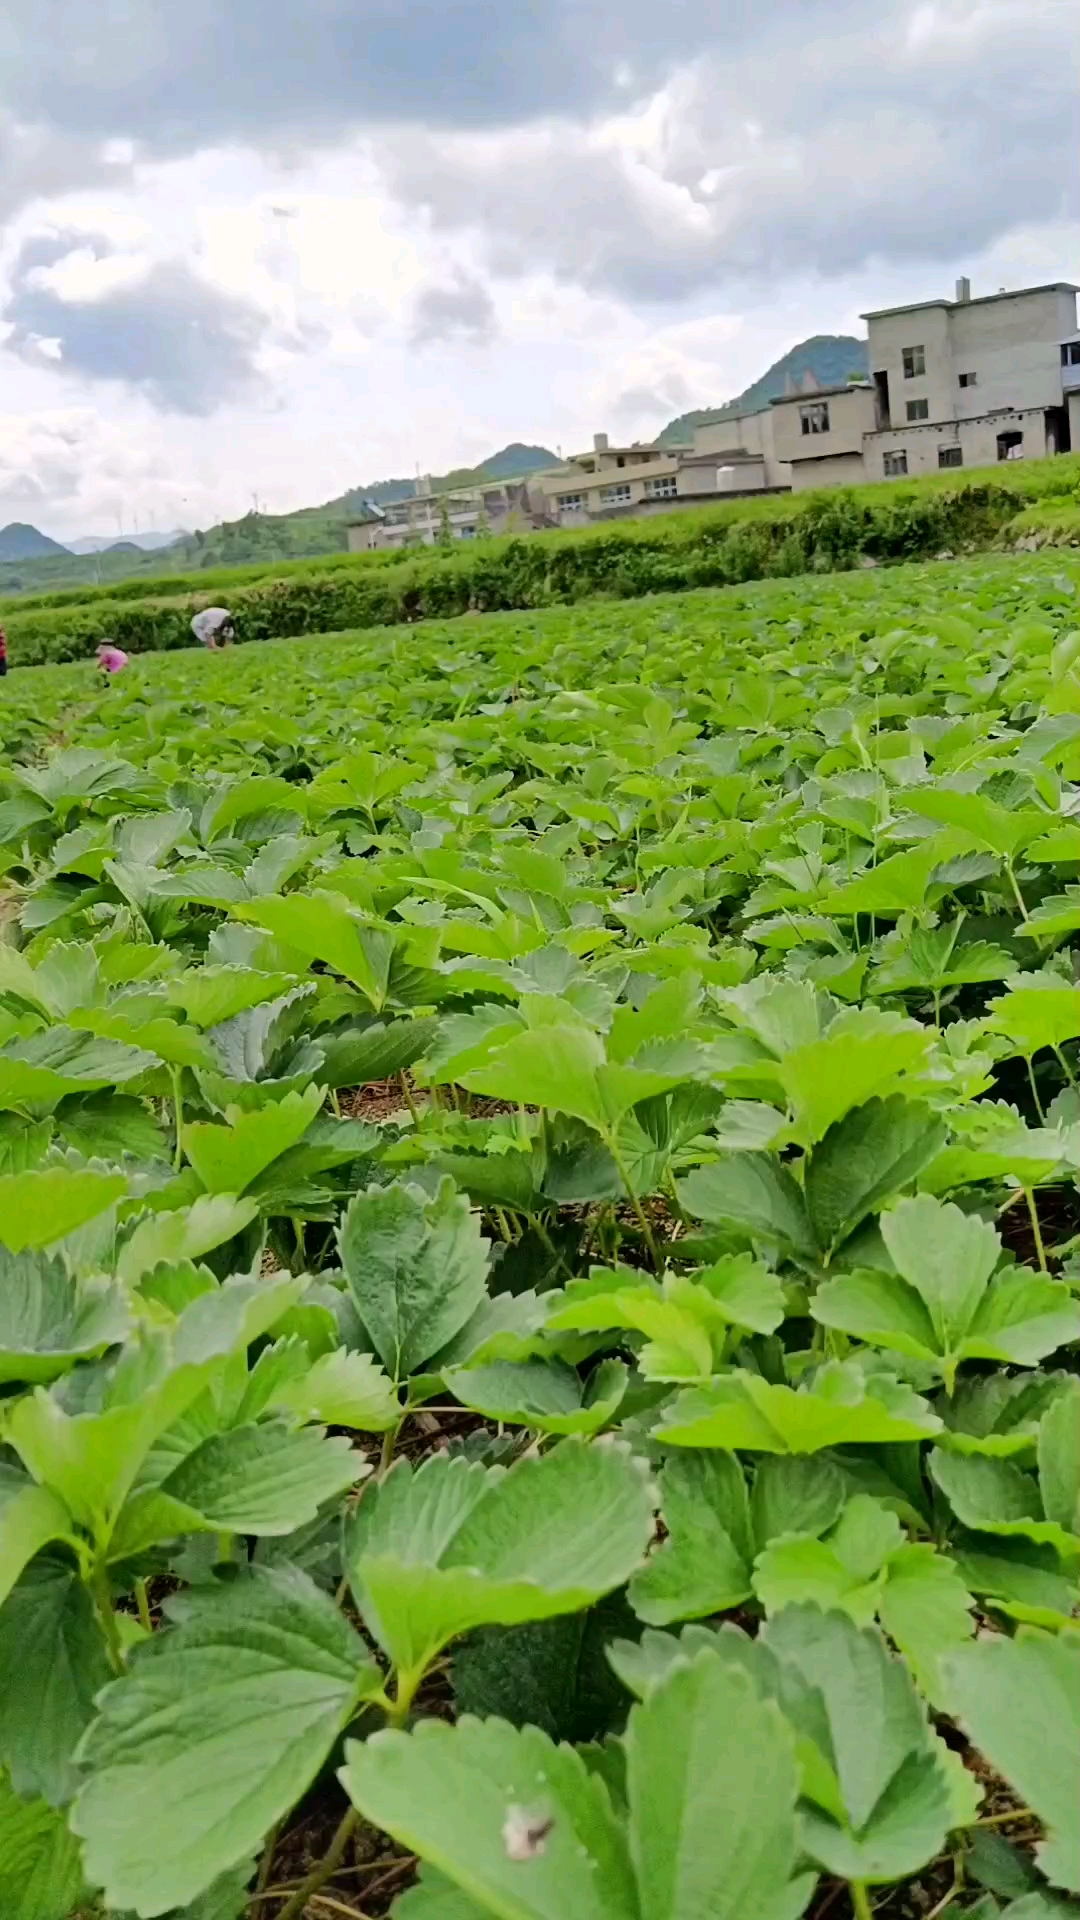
3	653
214	627
111	658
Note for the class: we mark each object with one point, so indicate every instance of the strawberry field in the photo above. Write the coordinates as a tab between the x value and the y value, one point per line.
540	1265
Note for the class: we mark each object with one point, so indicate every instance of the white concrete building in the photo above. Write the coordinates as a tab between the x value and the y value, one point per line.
953	383
428	518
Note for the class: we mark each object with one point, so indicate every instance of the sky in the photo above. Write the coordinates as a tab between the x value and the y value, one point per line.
254	252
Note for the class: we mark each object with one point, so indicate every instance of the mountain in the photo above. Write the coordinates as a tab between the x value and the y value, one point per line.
516	460
20	542
830	357
109	542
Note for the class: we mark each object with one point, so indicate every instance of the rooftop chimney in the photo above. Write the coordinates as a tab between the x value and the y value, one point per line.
600	442
963	291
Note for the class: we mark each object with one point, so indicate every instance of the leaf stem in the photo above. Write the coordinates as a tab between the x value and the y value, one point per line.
266	1864
1016	890
178	1106
103	1602
1003	1819
860	1901
143	1604
1029	1196
1066	1069
386	1451
324	1869
643	1218
1028	1062
409	1101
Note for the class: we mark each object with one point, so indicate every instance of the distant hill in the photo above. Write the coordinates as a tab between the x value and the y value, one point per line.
110	542
510	463
515	460
20	542
830	357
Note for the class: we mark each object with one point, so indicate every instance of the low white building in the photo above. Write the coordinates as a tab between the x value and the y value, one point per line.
429	518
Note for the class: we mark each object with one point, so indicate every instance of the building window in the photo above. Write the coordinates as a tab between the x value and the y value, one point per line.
663	488
914	362
466	533
950	456
918	409
815	418
1070	354
620	460
570	502
895	465
616	496
969	379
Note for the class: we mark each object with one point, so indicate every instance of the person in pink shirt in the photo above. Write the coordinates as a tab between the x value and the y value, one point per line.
111	659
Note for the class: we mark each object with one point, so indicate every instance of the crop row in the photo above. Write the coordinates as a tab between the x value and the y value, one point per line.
538	1266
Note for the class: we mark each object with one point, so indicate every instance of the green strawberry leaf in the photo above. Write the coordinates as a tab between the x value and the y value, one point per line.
842	1405
218	1727
996	1496
52	1664
30	1517
48	1322
265	1479
1059	1459
340	1389
925	1608
449	1547
185	1234
754	1194
228	1158
862	1056
712	1783
1020	1702
863	1160
41	1207
795	1493
416	1267
703	1565
545	1394
844	1569
41	1874
947	1304
210	995
108	1126
517	1823
90	1458
891	1781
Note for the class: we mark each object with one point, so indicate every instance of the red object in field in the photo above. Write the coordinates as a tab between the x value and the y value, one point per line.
113	659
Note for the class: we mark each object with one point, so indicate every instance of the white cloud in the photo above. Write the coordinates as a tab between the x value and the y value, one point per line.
413	280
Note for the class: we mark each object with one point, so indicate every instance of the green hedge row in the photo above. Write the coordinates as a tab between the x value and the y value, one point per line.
786	534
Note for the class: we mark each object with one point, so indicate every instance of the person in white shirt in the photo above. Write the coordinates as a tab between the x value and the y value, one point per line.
214	626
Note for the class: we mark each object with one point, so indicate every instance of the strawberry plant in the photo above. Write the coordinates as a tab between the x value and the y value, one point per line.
540	1265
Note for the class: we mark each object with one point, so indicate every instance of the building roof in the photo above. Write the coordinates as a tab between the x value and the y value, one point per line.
821	393
977	300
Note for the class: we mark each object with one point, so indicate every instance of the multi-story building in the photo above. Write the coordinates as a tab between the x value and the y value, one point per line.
953	383
612	483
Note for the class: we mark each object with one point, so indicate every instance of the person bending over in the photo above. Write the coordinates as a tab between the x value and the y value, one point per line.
214	627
